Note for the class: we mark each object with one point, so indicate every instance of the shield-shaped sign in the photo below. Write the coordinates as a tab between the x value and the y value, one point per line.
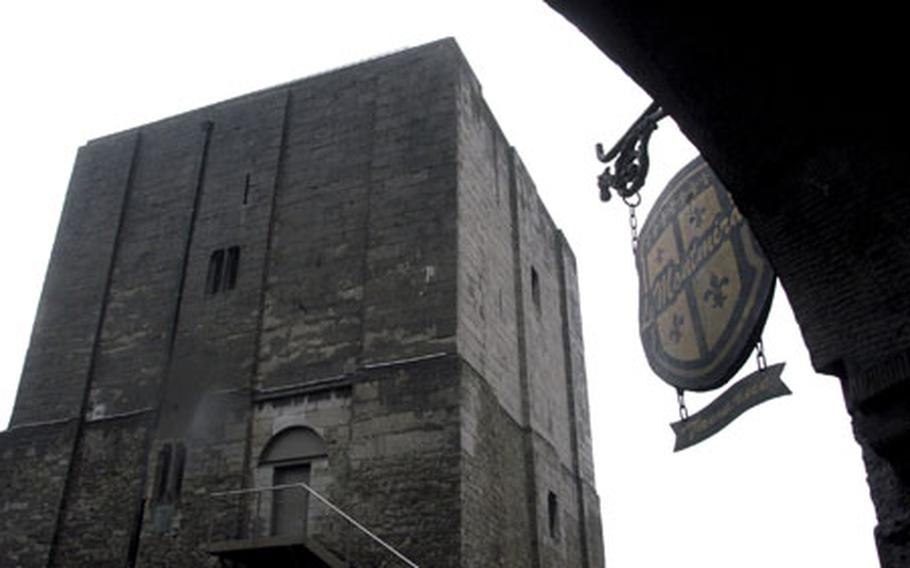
705	285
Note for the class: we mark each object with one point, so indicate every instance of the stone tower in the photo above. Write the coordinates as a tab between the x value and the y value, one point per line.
346	286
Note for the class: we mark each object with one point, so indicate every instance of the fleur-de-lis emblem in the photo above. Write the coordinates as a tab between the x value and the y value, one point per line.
675	333
716	291
697	216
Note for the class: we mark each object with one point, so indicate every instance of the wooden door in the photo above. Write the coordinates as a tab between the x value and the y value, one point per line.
289	510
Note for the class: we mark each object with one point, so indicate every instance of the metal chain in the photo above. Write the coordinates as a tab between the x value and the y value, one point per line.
760	355
681	400
633	202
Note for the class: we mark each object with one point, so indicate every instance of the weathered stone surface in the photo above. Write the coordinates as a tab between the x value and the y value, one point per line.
359	256
60	356
33	472
100	506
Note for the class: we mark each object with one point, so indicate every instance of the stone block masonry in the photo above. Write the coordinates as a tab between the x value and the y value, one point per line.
347	279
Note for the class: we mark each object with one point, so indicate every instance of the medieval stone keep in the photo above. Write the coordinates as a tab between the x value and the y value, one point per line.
336	297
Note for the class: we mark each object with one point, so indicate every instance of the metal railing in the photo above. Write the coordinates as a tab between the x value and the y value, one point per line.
256	528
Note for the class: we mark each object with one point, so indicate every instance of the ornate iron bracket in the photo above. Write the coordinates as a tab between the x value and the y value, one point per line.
627	174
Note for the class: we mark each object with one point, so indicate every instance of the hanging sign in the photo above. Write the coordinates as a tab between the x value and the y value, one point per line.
705	291
705	286
752	390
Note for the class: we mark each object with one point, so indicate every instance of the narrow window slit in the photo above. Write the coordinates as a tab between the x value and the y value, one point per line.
162	472
233	266
553	514
216	266
179	464
224	267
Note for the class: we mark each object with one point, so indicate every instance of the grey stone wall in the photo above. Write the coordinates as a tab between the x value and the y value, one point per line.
205	399
591	531
33	469
548	379
362	265
99	511
543	322
131	358
385	299
405	461
487	319
495	485
60	355
520	329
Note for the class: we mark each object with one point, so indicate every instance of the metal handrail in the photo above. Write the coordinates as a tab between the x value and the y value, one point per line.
329	504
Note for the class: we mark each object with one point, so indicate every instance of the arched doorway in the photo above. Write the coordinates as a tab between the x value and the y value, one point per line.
290	455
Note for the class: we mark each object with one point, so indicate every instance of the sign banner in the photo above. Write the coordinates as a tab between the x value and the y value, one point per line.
743	395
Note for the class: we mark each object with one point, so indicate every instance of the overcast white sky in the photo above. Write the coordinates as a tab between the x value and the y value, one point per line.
782	486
